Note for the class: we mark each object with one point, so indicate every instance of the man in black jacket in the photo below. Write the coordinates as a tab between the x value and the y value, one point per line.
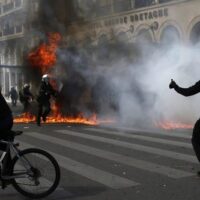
6	121
196	130
45	93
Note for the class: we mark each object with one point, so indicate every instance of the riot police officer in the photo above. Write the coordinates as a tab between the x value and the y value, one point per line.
26	97
45	92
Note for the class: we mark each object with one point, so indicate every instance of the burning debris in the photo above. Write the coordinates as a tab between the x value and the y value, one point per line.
29	118
44	57
173	125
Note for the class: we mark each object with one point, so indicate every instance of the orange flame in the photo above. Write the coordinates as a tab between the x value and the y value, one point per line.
59	119
44	57
173	125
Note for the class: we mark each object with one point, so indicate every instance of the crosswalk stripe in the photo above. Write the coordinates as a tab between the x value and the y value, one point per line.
157	151
148	166
92	173
185	135
141	137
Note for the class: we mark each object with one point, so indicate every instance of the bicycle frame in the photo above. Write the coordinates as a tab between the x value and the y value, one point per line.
12	147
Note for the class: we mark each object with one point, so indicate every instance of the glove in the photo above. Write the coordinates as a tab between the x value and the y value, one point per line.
172	84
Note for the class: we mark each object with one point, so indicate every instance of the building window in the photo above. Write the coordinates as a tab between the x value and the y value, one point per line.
195	34
1	80
165	1
170	35
13	79
143	3
122	5
104	7
18	3
8	7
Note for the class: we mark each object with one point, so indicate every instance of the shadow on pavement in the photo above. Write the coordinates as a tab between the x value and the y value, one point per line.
80	191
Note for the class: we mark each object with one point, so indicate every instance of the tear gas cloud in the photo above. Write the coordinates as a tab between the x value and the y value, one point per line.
137	90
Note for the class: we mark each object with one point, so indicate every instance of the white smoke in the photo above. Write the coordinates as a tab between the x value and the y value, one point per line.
140	89
158	102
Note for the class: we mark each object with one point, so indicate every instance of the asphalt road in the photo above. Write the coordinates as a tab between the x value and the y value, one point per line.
101	163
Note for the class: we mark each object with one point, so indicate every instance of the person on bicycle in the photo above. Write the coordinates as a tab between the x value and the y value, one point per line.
6	119
192	90
6	123
45	92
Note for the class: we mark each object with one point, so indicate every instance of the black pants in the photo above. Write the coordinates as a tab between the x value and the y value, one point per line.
27	106
43	110
196	139
14	101
5	126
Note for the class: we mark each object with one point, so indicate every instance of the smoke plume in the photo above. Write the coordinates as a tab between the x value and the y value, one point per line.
129	81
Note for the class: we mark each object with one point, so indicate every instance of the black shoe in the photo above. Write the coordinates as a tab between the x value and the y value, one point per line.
44	118
5	183
38	122
198	173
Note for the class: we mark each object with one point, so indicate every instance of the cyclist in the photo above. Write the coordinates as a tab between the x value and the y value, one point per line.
6	121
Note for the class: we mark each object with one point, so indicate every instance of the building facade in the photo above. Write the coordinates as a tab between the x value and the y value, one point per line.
23	25
14	23
93	22
160	21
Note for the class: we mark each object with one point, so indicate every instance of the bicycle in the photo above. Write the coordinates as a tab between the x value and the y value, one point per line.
32	172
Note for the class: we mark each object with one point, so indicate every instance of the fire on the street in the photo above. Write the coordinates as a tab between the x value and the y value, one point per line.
80	119
172	125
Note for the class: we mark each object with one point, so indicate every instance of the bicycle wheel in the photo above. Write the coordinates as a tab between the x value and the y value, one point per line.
40	173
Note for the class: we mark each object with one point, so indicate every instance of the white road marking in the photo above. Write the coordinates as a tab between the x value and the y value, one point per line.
141	137
152	150
108	179
143	165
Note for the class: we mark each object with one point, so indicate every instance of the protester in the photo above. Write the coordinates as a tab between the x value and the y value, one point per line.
196	130
14	96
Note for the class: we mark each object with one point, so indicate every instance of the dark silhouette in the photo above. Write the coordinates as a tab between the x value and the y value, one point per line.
14	96
45	93
26	97
6	121
196	130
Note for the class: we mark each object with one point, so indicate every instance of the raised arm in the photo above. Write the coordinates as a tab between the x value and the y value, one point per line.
192	90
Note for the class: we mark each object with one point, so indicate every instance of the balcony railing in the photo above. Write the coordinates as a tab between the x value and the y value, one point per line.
8	7
19	29
11	31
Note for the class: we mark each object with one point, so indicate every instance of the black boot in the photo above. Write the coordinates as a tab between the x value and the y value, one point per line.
38	121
